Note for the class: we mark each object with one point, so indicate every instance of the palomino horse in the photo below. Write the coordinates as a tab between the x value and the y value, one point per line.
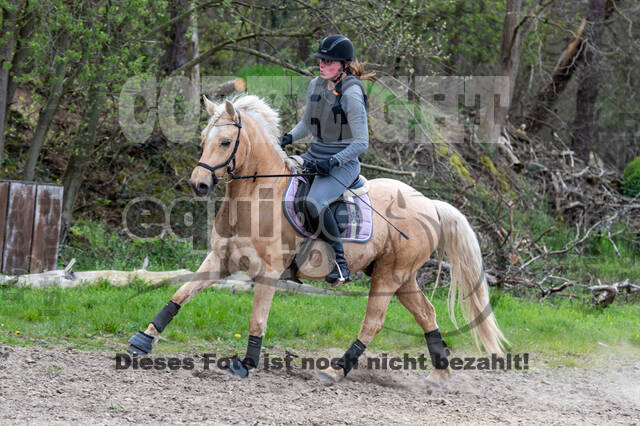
242	138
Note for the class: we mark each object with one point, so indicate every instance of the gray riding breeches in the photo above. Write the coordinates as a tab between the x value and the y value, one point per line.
325	189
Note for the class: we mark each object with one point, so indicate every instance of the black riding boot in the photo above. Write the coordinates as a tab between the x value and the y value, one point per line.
331	234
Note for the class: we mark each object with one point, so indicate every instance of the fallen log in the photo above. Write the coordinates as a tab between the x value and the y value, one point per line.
67	279
604	295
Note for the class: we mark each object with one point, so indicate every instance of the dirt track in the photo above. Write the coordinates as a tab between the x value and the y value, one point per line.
66	385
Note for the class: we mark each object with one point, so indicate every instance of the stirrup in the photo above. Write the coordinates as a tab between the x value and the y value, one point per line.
339	272
341	279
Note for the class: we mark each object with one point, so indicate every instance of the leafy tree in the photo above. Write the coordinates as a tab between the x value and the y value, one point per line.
107	38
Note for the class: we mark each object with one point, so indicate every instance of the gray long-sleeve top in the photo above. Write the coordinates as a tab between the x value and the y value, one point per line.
347	149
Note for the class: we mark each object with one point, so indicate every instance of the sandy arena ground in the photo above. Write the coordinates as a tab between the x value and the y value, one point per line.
64	385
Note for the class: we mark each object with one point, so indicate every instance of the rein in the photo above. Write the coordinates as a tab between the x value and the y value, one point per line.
256	175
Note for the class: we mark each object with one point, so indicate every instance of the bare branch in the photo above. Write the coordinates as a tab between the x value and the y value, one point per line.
269	58
179	18
225	46
568	246
386	170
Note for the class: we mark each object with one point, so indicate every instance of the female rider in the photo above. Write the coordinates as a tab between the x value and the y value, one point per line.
335	114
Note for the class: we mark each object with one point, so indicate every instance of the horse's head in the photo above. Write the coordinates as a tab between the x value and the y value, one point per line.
221	146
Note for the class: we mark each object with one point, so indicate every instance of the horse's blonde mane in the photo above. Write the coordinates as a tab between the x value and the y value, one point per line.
260	111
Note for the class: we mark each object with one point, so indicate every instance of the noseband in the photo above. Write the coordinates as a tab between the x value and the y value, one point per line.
232	157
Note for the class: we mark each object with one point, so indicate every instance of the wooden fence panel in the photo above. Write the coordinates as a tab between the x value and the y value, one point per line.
19	228
46	228
4	199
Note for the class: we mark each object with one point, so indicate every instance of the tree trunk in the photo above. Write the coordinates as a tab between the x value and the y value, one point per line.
20	58
416	71
562	73
46	115
176	48
83	144
193	50
568	62
7	46
451	48
304	49
255	28
509	64
510	49
582	129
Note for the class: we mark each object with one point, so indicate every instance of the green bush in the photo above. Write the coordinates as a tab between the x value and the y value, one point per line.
96	247
631	178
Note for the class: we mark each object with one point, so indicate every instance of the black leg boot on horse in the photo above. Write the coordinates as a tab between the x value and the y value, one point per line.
141	343
331	234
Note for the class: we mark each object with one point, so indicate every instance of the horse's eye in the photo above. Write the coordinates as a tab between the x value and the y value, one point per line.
226	142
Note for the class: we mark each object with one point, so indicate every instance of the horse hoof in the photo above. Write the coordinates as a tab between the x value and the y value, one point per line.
438	377
238	369
330	376
140	344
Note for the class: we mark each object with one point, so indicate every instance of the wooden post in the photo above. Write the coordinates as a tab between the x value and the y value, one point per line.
30	216
19	228
4	200
46	228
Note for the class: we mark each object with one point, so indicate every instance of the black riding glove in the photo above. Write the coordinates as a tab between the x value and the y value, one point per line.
325	166
285	140
309	166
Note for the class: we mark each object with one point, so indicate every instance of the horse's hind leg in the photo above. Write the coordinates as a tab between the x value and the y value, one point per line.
415	301
382	289
212	269
423	311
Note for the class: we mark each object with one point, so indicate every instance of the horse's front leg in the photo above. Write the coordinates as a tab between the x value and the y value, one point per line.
212	269
264	288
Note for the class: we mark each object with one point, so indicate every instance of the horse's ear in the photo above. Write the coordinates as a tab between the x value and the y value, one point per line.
230	110
211	107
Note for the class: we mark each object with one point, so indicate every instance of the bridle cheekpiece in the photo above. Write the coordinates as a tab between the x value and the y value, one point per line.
232	157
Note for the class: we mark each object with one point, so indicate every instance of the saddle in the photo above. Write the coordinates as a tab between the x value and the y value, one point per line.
352	210
343	209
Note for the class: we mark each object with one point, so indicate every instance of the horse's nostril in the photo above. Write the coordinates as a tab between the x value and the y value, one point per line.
202	188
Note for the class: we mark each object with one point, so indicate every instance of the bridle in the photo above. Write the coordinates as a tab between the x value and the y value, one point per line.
232	157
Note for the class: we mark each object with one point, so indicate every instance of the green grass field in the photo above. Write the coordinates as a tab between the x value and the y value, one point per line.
102	316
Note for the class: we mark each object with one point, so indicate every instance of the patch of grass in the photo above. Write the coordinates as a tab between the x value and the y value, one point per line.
631	178
565	327
103	316
264	70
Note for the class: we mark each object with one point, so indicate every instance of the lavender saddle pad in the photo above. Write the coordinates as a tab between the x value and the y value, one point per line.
354	218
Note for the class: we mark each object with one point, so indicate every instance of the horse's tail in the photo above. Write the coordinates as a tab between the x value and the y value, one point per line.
468	281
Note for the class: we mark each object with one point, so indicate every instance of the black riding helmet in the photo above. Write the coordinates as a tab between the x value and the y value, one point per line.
335	47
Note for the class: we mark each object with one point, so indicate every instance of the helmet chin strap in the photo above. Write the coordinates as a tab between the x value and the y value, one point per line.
342	70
